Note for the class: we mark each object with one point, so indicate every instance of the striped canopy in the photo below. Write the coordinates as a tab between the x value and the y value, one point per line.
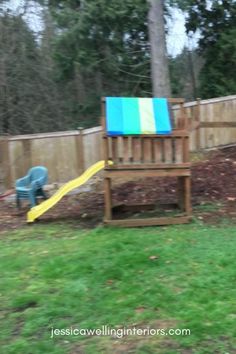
126	115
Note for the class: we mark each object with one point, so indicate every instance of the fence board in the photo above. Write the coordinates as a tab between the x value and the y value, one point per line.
92	146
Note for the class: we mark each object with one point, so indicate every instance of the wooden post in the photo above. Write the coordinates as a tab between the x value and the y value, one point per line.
180	192
105	150
182	120
108	201
187	196
27	154
184	194
185	117
185	144
114	148
4	151
80	150
103	120
105	139
198	121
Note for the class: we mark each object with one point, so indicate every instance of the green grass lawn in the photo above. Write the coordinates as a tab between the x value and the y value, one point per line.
174	277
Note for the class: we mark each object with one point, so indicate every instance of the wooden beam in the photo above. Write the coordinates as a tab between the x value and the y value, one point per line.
171	100
218	124
146	173
176	100
149	221
175	133
151	166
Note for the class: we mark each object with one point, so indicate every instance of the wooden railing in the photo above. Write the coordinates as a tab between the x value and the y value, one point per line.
146	150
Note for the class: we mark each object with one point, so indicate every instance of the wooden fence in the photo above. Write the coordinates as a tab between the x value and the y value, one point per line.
217	118
68	154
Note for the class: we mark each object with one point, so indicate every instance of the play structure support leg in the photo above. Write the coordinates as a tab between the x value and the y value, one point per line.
180	193
108	201
184	194
187	195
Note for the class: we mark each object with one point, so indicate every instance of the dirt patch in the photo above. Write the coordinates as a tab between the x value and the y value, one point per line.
213	181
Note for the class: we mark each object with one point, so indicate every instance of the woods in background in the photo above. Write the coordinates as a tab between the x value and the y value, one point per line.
87	49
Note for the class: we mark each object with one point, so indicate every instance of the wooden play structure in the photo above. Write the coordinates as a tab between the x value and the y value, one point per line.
149	155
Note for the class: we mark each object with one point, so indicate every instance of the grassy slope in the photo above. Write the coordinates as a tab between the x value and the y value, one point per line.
55	276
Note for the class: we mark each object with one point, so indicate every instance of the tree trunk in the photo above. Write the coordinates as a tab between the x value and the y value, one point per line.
159	60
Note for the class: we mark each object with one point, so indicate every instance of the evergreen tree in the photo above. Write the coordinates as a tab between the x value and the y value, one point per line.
102	49
29	98
216	21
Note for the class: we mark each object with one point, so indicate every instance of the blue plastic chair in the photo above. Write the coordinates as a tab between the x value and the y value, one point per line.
31	185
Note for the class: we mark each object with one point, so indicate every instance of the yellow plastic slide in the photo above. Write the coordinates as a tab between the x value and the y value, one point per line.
40	209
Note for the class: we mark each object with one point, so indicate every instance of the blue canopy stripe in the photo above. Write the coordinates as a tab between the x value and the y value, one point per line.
162	116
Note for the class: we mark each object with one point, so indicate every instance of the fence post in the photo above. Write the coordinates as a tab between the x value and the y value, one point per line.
198	121
80	150
6	164
27	154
